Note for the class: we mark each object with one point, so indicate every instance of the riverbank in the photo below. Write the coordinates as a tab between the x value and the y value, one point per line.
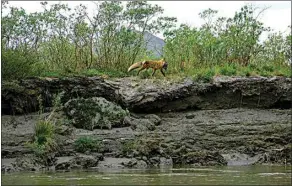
229	121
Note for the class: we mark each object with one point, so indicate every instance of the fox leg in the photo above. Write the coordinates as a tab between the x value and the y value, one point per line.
162	72
154	70
140	70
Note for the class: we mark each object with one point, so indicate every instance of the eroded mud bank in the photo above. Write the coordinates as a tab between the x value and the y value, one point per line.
227	122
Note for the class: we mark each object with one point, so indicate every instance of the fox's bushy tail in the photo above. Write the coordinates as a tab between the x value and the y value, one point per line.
134	66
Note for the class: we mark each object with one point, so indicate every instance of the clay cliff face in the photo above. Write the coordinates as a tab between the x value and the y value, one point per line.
148	95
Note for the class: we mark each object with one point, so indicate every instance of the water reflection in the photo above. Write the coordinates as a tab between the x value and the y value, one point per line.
231	175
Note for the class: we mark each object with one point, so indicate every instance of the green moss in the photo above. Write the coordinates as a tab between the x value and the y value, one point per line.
93	112
84	144
128	147
147	147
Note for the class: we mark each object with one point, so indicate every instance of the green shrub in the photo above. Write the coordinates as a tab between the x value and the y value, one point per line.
204	75
16	64
84	144
228	70
268	68
43	138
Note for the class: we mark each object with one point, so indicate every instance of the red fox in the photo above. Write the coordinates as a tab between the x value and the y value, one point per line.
155	65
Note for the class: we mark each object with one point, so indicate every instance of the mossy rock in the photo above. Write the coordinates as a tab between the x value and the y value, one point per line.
203	158
147	147
94	112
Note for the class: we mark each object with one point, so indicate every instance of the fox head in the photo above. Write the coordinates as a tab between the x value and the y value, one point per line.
165	64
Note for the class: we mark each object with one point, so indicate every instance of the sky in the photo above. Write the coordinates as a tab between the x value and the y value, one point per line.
278	16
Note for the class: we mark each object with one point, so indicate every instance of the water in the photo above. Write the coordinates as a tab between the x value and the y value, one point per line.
231	175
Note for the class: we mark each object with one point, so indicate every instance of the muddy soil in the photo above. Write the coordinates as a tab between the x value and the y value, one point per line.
241	136
228	121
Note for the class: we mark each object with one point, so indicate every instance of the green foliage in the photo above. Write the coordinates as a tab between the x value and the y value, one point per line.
84	144
17	64
203	74
43	140
229	44
111	39
228	70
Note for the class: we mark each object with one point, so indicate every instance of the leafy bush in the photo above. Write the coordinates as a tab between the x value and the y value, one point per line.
16	64
84	144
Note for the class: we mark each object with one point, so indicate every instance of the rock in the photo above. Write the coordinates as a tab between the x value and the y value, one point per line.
113	163
64	130
139	125
138	164
98	156
27	164
278	156
144	158
153	118
203	158
67	150
190	116
234	92
131	163
141	164
7	168
76	162
64	163
222	93
239	159
165	162
93	112
20	96
86	161
154	161
14	151
7	165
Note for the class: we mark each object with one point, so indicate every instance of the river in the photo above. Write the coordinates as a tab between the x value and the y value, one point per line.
229	175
